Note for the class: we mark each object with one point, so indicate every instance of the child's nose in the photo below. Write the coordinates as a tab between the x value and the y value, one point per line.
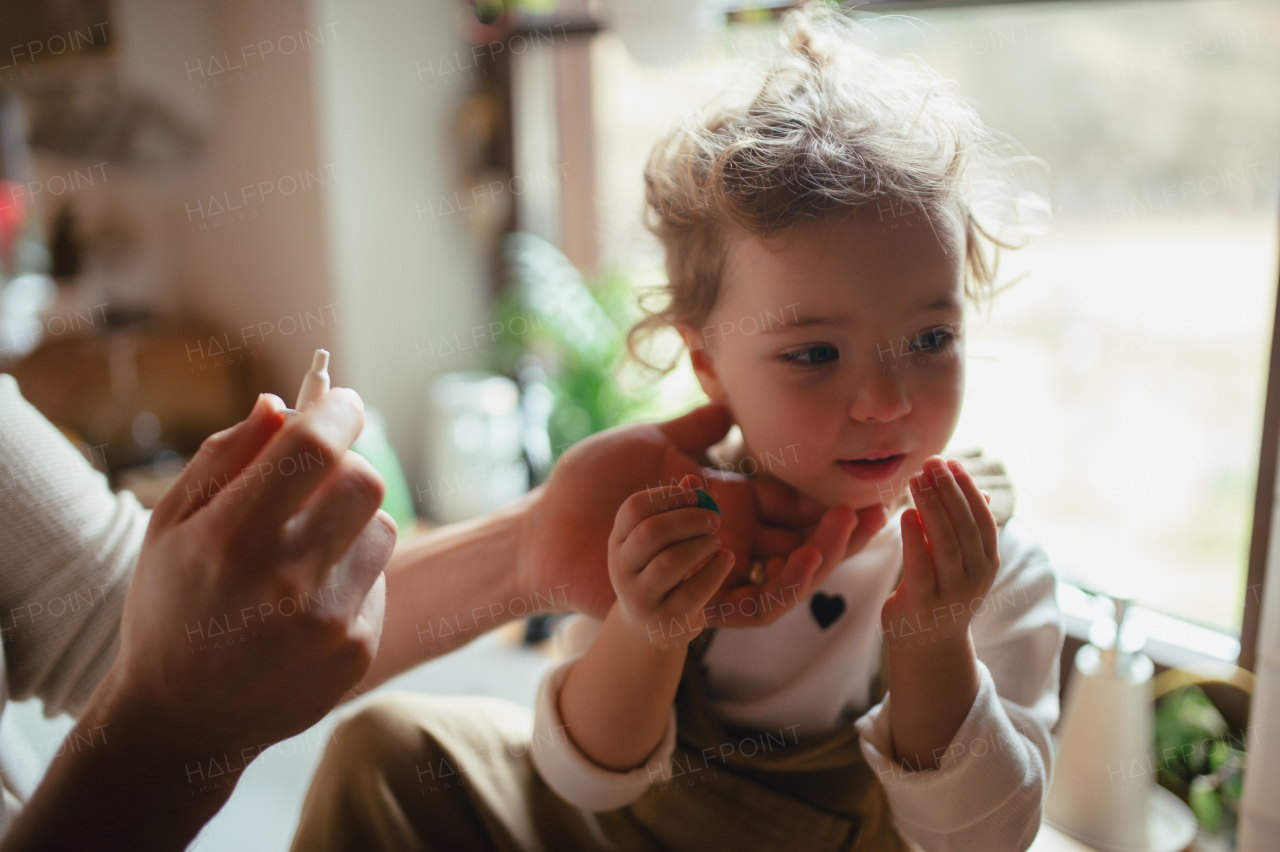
880	395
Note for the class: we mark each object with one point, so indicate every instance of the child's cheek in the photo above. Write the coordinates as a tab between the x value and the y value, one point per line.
785	430
937	397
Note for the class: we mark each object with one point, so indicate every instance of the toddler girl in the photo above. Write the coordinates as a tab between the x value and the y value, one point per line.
820	244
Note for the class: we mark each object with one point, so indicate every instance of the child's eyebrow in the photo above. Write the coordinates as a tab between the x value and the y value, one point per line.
944	304
805	322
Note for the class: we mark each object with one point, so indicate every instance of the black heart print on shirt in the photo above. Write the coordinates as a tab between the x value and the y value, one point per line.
826	608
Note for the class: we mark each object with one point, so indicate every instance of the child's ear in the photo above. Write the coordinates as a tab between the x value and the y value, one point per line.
704	365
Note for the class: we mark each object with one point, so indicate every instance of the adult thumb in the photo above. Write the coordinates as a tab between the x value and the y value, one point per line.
699	429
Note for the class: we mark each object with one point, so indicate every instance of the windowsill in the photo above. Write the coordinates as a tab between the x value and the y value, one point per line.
1171	641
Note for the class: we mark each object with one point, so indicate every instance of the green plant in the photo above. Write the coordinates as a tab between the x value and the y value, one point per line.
577	331
1198	758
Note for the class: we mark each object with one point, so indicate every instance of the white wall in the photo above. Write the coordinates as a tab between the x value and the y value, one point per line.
348	263
353	108
401	282
264	264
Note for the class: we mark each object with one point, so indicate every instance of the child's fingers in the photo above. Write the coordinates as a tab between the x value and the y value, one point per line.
980	506
948	560
917	566
665	571
659	532
956	505
694	593
653	501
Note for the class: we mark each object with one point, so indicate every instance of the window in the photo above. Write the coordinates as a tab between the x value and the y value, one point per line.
1122	379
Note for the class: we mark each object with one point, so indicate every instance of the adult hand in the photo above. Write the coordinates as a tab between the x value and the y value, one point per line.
791	570
565	536
258	596
255	605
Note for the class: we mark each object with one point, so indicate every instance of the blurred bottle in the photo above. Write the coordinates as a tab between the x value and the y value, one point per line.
474	446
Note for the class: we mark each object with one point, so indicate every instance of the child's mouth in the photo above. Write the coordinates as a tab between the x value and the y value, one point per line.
872	469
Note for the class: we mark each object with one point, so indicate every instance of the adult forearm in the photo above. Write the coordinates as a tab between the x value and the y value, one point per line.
122	782
447	586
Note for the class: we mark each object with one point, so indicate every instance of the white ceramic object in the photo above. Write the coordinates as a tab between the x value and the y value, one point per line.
1105	768
473	446
1171	826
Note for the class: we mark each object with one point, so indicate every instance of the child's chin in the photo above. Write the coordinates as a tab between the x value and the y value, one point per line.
856	495
842	489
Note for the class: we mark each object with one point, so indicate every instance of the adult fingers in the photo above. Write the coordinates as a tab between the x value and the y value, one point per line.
337	512
980	505
357	571
956	505
699	429
870	521
772	541
218	464
781	505
300	456
756	606
832	540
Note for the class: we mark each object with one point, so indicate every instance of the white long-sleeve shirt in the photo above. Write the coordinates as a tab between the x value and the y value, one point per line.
813	669
67	551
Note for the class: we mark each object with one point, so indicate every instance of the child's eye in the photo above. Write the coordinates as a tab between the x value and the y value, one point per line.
813	356
934	338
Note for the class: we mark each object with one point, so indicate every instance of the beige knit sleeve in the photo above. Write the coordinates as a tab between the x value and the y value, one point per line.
67	551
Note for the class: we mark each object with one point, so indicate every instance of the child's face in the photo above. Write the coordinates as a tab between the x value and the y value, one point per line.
839	347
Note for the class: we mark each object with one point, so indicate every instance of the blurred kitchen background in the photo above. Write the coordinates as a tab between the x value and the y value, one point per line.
447	195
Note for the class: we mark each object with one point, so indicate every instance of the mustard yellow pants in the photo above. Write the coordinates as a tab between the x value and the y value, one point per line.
419	772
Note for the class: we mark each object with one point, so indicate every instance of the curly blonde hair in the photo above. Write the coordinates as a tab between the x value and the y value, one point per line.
833	128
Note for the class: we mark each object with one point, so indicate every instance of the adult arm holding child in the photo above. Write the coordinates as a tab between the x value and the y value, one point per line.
552	542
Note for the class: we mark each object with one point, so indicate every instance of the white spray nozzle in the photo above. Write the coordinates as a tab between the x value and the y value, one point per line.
315	383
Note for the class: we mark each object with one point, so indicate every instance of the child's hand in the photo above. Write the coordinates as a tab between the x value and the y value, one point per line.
950	553
665	562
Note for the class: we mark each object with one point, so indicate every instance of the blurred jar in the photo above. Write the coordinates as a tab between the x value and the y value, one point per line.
474	446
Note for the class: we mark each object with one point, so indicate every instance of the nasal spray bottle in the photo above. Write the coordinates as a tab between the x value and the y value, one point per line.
314	384
371	443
